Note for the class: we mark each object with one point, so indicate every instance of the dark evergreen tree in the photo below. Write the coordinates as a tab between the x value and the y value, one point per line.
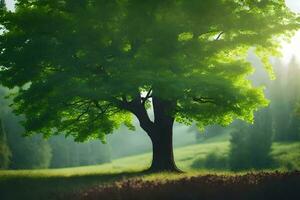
5	153
2	5
285	95
31	152
293	97
27	152
250	145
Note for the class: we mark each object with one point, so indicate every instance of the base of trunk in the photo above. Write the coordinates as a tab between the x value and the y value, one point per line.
163	158
158	169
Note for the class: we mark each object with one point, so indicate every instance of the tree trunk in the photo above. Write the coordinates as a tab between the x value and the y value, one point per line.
160	131
162	151
162	137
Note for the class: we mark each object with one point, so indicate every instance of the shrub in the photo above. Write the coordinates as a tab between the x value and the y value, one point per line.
250	146
213	161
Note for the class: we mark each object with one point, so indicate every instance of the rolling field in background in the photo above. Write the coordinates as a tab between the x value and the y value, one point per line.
48	183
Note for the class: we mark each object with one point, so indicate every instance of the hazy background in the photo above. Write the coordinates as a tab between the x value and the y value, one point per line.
61	152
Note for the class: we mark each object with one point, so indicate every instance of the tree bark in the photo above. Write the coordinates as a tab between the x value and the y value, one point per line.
160	132
162	136
162	149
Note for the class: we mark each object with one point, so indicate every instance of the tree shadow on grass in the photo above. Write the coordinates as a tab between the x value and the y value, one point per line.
24	187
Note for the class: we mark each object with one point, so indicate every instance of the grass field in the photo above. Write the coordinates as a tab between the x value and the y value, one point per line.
42	184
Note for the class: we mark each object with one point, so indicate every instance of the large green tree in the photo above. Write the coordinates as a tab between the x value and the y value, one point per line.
84	66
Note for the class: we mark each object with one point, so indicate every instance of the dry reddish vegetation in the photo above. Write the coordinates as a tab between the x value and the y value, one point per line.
250	186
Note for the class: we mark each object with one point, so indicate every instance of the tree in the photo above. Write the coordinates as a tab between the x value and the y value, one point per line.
298	110
2	4
5	153
84	66
293	97
27	153
279	103
67	153
250	146
33	152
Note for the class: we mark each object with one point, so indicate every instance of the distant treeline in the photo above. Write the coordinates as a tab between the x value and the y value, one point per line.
285	102
18	152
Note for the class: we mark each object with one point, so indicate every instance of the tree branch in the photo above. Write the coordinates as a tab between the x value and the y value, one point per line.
96	103
204	100
78	103
83	113
219	35
148	96
137	107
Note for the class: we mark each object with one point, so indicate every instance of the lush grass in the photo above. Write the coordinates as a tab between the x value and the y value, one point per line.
39	184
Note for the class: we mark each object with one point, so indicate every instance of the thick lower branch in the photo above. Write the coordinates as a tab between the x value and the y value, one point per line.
137	107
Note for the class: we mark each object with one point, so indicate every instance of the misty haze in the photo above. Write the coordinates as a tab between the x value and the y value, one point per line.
129	99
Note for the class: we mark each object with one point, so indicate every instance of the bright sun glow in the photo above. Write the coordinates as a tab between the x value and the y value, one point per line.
294	5
292	48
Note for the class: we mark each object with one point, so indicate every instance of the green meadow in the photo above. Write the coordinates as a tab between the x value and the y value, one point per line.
47	183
